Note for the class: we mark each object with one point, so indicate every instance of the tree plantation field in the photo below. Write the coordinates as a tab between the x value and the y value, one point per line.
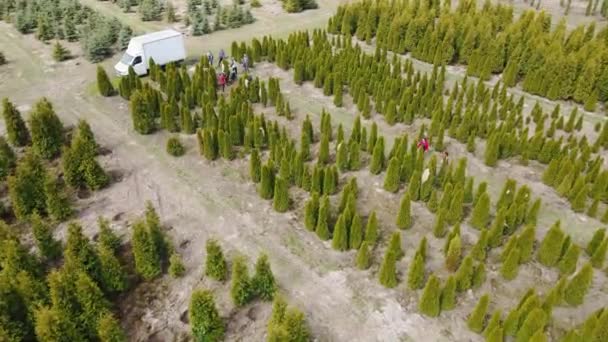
296	205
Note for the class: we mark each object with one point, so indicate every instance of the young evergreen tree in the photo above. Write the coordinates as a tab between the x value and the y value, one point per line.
281	195
355	233
263	282
109	329
525	243
415	277
145	252
510	265
16	131
404	218
550	249
176	266
440	224
414	186
255	166
377	163
26	187
391	180
267	181
324	150
311	212
206	323
476	319
371	229
448	294
104	85
241	289
429	303
340	235
322	228
535	321
464	275
481	212
215	264
452	259
567	265
57	201
578	286
596	241
46	130
49	248
599	256
363	256
388	272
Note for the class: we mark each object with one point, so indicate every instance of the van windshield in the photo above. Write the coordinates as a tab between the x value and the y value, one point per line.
126	59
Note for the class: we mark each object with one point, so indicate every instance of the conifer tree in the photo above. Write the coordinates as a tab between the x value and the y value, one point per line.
476	319
16	131
113	276
377	163
481	212
322	228
342	157
414	186
241	289
255	166
267	182
429	303
103	82
215	264
388	272
599	256
394	244
263	282
510	265
46	130
26	187
281	195
311	212
534	322
49	248
391	180
340	236
143	119
479	276
206	323
448	294
404	218
415	277
464	275
567	265
355	233
440	224
176	266
91	300
7	159
550	248
525	243
592	211
493	323
363	255
578	286
145	252
57	201
109	329
452	259
433	202
324	150
371	229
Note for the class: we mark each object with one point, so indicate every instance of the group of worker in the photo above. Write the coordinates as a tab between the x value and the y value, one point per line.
223	77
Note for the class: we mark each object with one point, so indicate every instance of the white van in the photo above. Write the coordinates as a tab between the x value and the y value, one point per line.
163	47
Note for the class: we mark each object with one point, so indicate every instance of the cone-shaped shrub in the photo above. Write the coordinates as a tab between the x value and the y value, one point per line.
596	241
281	195
448	294
267	182
464	275
415	276
108	329
215	264
103	82
481	212
263	282
388	272
525	243
241	290
510	265
176	266
479	276
598	258
371	229
493	323
324	150
429	303
479	250
377	163
414	186
440	224
551	246
355	233
452	259
145	253
363	256
539	336
49	248
329	181
422	248
311	212
495	335
322	229
175	147
404	218
16	130
354	159
395	245
534	322
567	265
600	333
433	203
206	323
255	166
577	287
57	201
46	130
391	180
340	238
476	319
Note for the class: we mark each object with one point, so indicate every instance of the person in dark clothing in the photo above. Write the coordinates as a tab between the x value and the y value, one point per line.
221	57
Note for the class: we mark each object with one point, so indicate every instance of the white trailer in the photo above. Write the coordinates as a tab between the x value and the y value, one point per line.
163	47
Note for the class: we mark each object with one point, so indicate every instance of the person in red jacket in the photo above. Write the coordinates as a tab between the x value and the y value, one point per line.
222	80
424	144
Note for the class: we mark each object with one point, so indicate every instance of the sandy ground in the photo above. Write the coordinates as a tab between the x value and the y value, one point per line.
197	200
